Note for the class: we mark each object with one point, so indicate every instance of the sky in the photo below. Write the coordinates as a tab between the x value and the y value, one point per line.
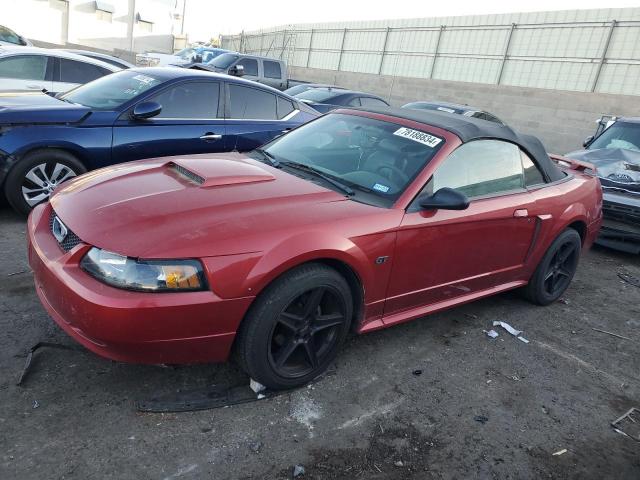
205	19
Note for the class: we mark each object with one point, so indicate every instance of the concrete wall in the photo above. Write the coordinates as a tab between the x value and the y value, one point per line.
561	119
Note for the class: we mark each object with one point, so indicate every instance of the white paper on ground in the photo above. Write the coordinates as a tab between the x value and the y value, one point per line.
255	386
507	327
491	333
522	339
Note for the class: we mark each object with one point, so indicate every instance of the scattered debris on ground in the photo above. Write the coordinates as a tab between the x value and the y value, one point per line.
628	424
560	452
610	333
491	333
481	419
298	471
630	279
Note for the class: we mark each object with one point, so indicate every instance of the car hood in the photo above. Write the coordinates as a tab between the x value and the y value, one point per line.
36	107
617	168
194	206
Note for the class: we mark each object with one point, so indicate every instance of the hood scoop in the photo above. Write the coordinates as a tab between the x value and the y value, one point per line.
217	172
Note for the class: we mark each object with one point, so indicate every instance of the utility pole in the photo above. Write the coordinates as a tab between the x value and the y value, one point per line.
184	10
131	23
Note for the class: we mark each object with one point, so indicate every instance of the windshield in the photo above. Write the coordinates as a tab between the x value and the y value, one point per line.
223	61
186	53
319	95
111	91
619	135
377	159
10	36
298	89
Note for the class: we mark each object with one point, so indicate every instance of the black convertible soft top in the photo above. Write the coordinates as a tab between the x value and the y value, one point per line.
468	128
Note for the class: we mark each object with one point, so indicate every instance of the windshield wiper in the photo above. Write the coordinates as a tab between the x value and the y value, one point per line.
309	169
269	156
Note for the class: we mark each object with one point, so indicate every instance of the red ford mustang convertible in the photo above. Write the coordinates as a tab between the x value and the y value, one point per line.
357	220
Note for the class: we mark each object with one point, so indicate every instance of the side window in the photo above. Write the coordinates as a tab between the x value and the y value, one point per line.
372	102
24	67
285	107
532	174
189	100
250	66
272	69
251	103
355	102
72	71
480	167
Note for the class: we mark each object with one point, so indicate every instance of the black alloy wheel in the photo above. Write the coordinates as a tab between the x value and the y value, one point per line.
295	327
556	269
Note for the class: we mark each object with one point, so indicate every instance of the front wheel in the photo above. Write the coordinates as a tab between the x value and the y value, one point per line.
34	177
556	269
295	328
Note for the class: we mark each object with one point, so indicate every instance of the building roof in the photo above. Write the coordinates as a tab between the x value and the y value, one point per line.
469	128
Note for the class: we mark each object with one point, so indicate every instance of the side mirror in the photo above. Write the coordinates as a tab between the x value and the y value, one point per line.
445	199
145	110
236	71
587	141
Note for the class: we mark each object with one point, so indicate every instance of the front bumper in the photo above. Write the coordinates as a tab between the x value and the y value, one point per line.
621	222
137	327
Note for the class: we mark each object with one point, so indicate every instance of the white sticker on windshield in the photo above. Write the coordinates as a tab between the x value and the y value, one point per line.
144	79
417	136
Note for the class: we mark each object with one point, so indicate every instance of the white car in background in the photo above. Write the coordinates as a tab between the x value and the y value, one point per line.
186	56
9	37
37	69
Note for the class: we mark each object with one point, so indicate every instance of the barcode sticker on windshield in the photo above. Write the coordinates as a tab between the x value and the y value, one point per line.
144	79
417	136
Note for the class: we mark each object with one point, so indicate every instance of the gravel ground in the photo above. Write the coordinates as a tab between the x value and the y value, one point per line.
480	408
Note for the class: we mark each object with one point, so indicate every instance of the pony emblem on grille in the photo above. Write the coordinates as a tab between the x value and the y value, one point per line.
59	230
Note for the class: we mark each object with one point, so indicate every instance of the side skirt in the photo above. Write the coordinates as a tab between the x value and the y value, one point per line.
407	315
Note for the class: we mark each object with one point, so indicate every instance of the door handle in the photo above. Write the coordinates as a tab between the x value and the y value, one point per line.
34	86
208	137
521	213
286	130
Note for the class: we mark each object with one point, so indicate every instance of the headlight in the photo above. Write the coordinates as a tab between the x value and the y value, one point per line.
144	275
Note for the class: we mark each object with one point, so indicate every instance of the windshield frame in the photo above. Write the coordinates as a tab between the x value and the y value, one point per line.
367	195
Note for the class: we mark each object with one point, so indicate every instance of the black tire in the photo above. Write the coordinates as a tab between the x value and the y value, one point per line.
53	161
556	269
276	337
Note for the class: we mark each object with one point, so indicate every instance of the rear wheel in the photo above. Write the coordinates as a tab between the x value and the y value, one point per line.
32	180
295	328
556	269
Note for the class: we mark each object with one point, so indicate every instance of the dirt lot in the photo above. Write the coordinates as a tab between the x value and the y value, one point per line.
481	408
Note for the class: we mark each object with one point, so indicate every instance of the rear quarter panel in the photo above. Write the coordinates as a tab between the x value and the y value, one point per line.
575	199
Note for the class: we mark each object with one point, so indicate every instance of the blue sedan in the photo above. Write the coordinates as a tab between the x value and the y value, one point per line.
129	115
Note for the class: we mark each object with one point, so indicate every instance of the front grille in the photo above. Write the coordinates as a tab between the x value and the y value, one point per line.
71	239
195	178
622	213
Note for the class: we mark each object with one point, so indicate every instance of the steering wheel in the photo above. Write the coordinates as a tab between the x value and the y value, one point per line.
393	170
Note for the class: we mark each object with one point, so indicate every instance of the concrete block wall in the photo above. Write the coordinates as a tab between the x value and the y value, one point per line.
561	119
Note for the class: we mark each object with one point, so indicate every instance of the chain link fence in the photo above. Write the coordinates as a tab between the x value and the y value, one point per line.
589	56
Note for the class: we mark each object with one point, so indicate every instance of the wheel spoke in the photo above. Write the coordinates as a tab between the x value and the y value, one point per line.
285	352
61	173
311	353
563	272
290	320
33	176
313	301
564	253
36	199
322	322
548	276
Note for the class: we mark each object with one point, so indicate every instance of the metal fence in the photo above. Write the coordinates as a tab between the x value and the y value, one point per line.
600	55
